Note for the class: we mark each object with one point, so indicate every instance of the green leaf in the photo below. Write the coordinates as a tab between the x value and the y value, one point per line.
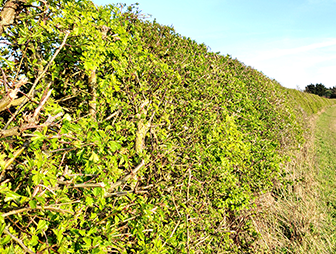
67	117
10	195
21	40
2	227
87	241
59	233
42	225
114	146
38	136
89	201
34	240
94	157
5	240
32	203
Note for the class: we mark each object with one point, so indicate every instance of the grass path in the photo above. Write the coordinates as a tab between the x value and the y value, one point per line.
325	142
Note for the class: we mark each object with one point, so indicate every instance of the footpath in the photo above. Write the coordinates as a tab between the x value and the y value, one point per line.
325	143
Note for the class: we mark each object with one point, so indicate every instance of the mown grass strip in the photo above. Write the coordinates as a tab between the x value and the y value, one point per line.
326	166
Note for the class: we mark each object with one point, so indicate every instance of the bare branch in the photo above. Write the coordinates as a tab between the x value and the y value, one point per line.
27	209
31	92
4	79
50	62
8	14
113	115
102	185
123	193
202	240
15	131
172	233
126	178
51	119
19	242
11	160
44	100
10	97
88	185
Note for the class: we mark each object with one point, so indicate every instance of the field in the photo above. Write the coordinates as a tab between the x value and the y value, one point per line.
326	168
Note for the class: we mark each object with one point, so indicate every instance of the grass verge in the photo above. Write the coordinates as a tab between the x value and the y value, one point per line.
299	215
326	168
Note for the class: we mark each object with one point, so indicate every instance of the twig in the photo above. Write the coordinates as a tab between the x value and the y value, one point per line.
8	100
61	150
46	241
11	160
112	187
46	187
172	233
202	240
27	209
189	171
120	182
19	242
92	83
188	236
6	181
69	203
15	155
16	131
50	62
88	185
176	207
6	42
126	234
51	119
43	101
117	194
4	79
109	117
37	80
123	193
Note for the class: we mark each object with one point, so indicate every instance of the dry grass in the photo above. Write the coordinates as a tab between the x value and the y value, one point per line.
290	219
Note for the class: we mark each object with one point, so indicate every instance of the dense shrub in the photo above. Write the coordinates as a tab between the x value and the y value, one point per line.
120	135
307	104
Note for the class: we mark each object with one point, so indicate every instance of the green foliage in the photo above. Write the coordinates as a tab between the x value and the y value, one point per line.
307	104
321	90
162	147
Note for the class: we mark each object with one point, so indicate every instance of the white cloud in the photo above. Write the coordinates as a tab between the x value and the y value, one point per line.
291	64
276	53
321	1
300	70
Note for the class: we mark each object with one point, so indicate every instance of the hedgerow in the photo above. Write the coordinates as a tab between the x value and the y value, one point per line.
120	135
308	103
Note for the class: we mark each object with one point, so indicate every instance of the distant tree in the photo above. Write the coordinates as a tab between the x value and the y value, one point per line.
333	92
328	93
310	89
318	89
321	89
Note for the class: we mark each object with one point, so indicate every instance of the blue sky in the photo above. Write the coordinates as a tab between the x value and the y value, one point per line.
292	41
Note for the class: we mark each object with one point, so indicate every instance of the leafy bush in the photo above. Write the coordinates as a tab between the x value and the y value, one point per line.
120	135
307	103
